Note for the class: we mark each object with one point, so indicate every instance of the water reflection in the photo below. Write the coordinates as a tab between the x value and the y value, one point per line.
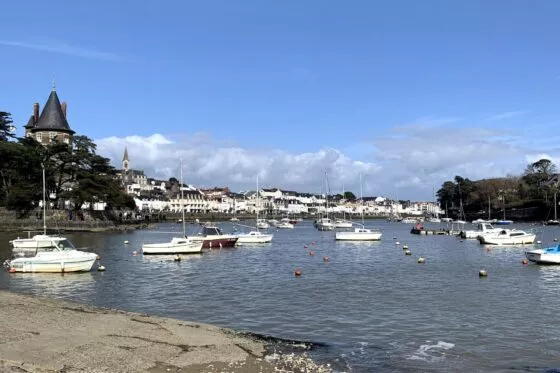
54	284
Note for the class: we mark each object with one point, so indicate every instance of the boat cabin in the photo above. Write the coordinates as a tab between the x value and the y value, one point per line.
211	231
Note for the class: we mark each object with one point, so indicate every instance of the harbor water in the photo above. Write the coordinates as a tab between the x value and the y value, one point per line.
369	308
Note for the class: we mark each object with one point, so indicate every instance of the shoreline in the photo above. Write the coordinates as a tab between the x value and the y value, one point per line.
46	335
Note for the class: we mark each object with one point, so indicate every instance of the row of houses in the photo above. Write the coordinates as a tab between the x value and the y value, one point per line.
276	201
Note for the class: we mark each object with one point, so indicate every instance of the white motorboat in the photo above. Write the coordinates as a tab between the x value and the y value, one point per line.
550	255
324	224
508	237
481	229
285	225
234	219
262	224
446	220
177	245
409	221
61	257
362	233
341	223
434	220
254	237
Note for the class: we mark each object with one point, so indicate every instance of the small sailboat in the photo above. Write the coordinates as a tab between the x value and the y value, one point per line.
361	233
256	236
177	245
324	223
504	221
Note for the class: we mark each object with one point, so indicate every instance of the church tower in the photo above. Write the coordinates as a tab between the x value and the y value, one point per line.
125	161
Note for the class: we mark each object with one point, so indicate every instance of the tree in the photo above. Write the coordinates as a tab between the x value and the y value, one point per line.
349	195
6	128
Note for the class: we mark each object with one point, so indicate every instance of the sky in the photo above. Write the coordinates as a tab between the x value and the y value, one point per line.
407	94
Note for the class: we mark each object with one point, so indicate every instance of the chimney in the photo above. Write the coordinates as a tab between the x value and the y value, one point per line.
63	107
35	112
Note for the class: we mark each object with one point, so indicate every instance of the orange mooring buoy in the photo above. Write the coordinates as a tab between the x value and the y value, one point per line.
311	253
297	272
524	261
305	246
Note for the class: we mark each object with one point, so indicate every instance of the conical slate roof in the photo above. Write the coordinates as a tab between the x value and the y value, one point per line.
30	122
52	117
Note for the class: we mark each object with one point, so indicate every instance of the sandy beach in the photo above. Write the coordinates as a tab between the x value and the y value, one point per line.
43	335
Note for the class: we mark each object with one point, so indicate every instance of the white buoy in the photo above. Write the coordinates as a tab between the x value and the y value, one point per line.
397	243
126	242
539	242
407	252
101	268
177	258
405	247
421	260
482	273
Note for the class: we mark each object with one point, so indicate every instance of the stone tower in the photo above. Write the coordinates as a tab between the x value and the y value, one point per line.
51	125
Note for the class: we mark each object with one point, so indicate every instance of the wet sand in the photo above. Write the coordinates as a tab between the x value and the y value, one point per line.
43	335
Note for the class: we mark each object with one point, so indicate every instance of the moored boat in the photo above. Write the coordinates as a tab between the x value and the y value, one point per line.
212	237
482	228
177	245
508	237
549	255
61	257
359	234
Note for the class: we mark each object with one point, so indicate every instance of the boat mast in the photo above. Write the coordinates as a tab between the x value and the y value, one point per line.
555	217
182	200
327	195
489	218
44	201
362	199
257	221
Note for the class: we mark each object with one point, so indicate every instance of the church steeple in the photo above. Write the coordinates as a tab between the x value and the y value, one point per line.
125	160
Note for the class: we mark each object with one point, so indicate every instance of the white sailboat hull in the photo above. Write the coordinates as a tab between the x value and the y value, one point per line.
342	224
176	246
55	262
359	234
254	237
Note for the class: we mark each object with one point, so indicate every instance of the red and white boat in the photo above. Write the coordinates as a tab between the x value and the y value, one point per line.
212	237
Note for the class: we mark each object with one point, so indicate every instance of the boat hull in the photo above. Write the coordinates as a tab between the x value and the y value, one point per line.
518	240
247	238
552	222
36	265
539	257
358	236
216	243
342	224
163	249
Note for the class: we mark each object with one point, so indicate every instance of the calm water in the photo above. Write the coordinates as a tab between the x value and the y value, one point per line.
374	308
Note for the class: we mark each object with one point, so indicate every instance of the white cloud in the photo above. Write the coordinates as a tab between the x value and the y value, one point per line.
408	163
62	48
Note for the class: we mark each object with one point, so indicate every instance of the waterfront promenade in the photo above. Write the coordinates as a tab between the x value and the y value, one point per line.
40	335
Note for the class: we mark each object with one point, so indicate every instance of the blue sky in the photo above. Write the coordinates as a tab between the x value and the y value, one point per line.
410	93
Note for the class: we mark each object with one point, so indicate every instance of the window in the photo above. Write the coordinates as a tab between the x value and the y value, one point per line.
52	136
39	137
66	140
